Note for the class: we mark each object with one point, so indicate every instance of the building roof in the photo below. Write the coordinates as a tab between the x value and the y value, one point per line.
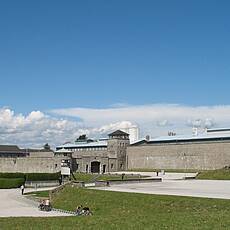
218	130
37	150
63	150
10	149
182	138
98	143
118	133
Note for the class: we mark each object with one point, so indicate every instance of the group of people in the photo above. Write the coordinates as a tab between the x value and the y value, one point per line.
80	211
45	205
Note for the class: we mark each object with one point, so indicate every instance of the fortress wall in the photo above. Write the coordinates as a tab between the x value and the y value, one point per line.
212	155
30	165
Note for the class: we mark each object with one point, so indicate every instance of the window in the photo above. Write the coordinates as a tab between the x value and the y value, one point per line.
55	166
121	165
111	166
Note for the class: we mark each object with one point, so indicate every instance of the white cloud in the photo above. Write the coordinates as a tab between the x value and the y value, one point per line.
156	119
146	113
37	128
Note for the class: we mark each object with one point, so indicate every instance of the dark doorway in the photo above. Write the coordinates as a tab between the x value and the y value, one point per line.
95	167
104	167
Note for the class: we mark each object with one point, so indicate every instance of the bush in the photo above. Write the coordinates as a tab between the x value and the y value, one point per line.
12	175
32	176
11	182
42	176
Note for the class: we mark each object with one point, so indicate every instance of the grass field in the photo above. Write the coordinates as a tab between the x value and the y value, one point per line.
219	174
38	193
115	210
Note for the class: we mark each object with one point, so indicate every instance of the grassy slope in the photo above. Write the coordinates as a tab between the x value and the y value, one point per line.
220	174
88	177
39	193
114	210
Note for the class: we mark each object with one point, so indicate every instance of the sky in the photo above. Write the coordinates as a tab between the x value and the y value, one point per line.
73	67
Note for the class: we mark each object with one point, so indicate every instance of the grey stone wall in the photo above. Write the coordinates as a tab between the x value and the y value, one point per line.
84	161
27	164
31	164
201	155
41	154
84	158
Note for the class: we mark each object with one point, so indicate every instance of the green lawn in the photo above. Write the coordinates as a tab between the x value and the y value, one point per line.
115	210
86	177
219	174
38	193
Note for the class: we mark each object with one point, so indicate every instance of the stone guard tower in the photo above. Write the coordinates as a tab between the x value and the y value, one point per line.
117	145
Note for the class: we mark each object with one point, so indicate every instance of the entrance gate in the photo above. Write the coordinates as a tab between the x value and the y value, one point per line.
95	167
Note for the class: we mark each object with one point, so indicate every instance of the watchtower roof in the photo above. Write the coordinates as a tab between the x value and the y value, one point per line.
118	133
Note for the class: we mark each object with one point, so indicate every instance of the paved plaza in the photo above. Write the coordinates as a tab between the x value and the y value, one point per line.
195	188
13	204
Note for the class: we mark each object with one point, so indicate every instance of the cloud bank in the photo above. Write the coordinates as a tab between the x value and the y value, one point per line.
37	128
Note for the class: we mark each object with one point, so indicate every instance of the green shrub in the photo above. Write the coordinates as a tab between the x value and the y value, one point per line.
42	176
11	182
32	176
12	175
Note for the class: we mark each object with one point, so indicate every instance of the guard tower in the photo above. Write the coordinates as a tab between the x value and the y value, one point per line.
117	145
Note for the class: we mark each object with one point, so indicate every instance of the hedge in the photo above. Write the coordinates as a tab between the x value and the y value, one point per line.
32	176
42	176
11	182
12	175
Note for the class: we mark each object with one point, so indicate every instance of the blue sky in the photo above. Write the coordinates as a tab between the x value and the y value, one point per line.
97	54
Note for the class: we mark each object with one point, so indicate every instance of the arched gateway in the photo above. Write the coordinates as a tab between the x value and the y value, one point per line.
95	167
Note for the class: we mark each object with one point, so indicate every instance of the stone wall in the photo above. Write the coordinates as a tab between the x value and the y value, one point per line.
110	164
202	155
30	165
41	154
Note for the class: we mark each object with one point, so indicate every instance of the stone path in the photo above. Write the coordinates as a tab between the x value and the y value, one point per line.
13	204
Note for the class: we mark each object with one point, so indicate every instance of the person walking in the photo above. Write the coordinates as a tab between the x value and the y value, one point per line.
22	188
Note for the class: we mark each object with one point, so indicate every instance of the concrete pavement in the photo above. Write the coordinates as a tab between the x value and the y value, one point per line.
13	204
194	188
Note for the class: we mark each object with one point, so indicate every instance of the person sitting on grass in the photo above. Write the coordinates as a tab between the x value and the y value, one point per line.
78	210
41	204
86	211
